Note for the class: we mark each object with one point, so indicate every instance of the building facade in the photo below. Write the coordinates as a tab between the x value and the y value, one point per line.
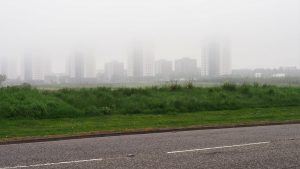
216	59
3	65
135	63
186	68
90	66
36	68
114	71
75	66
141	61
163	68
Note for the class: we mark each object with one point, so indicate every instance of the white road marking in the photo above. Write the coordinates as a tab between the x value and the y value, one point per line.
49	164
212	148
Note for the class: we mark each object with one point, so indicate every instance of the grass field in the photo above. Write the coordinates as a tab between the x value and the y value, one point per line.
26	111
27	102
44	127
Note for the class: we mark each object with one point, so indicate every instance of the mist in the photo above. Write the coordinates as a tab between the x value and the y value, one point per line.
262	33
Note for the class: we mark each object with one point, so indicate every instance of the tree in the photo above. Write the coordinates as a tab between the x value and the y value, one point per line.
2	78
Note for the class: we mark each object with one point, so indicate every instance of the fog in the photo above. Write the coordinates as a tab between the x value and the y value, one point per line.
262	33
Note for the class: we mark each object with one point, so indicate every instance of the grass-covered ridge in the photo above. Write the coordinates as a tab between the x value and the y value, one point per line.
27	102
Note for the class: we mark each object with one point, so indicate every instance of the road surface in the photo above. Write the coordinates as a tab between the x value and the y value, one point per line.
250	147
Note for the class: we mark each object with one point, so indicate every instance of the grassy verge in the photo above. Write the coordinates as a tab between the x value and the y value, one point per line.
25	102
10	128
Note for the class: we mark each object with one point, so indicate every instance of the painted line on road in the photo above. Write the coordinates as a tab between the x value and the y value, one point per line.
58	163
212	148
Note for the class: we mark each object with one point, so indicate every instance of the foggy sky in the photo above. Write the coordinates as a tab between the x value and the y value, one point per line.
263	33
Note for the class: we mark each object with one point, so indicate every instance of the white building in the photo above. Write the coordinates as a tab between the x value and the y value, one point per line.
114	71
3	65
186	66
279	75
148	61
258	75
163	68
216	58
135	62
75	66
141	61
36	68
90	66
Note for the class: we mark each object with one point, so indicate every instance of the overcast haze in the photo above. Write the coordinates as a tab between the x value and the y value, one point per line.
263	33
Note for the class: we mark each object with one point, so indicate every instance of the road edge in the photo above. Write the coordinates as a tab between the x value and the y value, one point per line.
22	140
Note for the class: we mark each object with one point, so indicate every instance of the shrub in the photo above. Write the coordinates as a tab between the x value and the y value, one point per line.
271	91
229	86
93	111
174	86
189	85
26	86
25	102
245	89
106	110
256	85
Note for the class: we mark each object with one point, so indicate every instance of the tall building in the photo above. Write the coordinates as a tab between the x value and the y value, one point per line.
90	66
39	69
10	67
3	65
163	68
75	66
226	62
114	71
186	66
135	62
27	68
216	59
35	68
148	61
141	61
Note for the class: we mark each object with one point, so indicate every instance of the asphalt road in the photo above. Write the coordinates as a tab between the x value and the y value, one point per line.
251	147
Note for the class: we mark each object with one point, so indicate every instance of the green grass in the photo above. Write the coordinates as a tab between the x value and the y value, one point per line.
27	111
26	102
42	127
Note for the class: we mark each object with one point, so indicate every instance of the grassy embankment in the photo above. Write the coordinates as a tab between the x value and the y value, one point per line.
25	111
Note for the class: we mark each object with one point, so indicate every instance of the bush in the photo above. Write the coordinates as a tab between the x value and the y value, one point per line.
271	91
189	85
106	110
174	86
245	89
229	86
94	111
27	102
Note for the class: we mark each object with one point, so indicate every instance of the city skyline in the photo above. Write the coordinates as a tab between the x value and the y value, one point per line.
81	68
262	34
81	65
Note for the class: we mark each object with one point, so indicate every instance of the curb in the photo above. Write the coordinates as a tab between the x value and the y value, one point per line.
23	140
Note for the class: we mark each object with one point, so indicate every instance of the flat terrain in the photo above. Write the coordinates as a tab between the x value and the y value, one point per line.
236	148
13	128
26	111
